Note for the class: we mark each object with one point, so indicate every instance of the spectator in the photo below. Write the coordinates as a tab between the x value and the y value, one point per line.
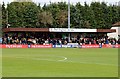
43	38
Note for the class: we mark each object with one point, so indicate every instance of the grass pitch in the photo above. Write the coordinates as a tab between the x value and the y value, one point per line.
60	62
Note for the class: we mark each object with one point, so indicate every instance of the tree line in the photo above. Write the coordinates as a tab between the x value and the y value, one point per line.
55	15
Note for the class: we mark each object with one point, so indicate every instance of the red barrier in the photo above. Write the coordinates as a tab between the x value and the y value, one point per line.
111	46
41	46
90	46
107	46
50	46
14	46
117	46
25	46
103	46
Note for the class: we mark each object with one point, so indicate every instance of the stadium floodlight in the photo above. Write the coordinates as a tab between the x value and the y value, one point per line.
69	19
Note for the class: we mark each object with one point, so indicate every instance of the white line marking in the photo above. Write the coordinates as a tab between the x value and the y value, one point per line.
34	58
65	58
94	63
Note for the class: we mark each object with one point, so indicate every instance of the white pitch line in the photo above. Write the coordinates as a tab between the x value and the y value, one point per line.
65	58
94	63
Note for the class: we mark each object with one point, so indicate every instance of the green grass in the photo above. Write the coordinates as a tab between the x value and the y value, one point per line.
60	62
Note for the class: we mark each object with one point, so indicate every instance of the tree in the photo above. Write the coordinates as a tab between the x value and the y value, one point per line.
29	14
99	13
87	16
115	14
72	16
45	19
22	0
39	7
22	14
54	9
76	16
119	12
0	16
61	18
4	15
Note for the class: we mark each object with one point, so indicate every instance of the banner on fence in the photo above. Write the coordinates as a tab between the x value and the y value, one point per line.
111	46
90	46
117	46
60	46
72	45
25	46
41	46
57	46
14	46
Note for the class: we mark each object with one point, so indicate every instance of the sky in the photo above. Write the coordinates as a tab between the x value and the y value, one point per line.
72	1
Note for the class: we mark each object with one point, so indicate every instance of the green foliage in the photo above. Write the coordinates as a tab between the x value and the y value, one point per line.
45	19
61	18
29	14
22	14
4	15
0	21
0	15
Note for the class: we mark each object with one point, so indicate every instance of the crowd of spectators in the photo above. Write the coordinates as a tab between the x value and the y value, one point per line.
42	38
